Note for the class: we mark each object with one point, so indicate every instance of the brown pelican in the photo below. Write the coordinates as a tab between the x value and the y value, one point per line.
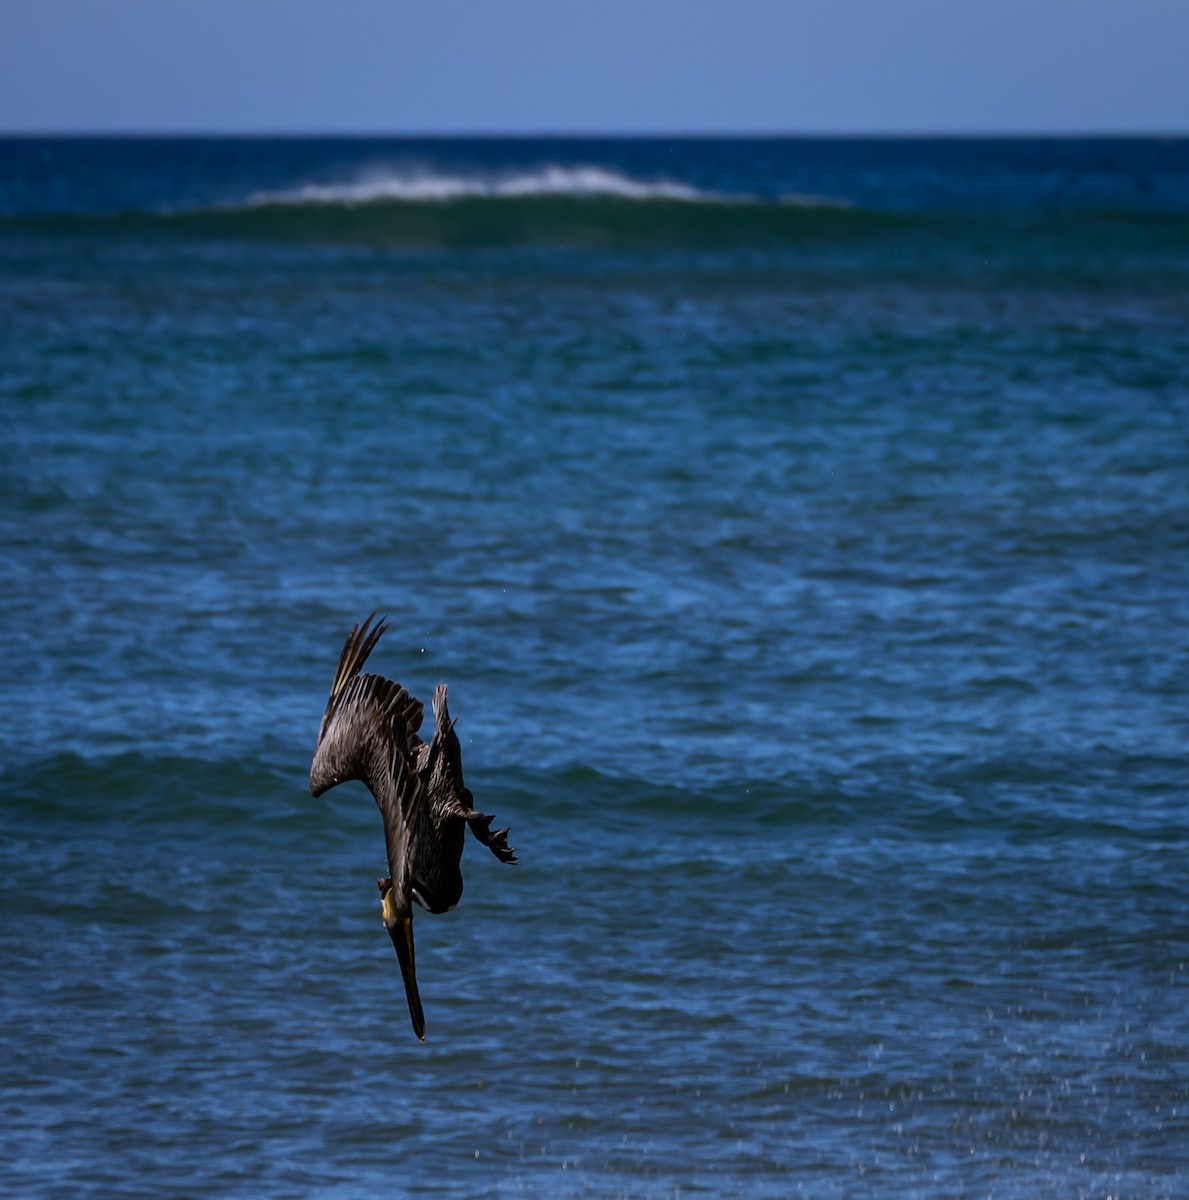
369	733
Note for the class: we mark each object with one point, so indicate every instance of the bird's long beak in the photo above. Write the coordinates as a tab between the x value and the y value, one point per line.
401	932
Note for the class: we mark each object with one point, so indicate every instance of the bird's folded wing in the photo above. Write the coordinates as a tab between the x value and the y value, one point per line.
366	734
367	738
455	799
400	806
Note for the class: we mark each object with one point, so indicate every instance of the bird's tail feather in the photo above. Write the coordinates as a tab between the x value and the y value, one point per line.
361	641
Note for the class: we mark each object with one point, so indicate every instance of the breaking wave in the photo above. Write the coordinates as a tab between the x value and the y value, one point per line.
548	204
422	185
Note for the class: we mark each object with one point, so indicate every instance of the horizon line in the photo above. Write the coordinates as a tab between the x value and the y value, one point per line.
598	135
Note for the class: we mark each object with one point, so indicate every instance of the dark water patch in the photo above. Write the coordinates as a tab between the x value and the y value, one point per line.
139	789
1069	250
490	223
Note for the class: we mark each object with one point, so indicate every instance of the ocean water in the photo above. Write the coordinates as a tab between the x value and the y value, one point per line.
802	527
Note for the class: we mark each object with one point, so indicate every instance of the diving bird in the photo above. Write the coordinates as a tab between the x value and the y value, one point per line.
370	732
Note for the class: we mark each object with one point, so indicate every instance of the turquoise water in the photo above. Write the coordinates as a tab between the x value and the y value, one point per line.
803	530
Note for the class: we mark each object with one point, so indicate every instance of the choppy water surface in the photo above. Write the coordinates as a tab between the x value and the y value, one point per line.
803	529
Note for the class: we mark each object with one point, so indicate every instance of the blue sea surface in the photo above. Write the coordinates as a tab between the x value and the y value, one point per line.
802	527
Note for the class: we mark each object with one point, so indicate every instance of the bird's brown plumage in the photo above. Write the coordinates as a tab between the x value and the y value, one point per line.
369	732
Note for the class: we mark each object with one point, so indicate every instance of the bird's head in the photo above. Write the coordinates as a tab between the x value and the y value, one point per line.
394	914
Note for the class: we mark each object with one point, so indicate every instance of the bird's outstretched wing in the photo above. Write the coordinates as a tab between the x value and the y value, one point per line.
365	735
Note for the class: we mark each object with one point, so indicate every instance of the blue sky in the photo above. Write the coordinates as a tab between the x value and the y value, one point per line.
436	66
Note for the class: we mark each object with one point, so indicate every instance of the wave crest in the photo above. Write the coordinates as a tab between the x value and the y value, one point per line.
421	185
433	205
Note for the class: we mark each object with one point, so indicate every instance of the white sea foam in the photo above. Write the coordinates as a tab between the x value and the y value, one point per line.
421	185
